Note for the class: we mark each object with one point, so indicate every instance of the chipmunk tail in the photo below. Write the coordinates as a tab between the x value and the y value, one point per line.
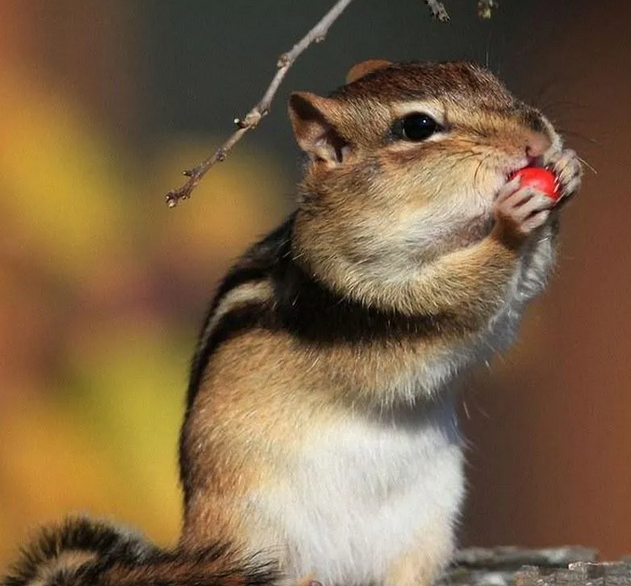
83	552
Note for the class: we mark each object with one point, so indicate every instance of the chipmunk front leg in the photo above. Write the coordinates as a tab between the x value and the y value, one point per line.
519	213
470	284
539	256
567	167
423	564
308	580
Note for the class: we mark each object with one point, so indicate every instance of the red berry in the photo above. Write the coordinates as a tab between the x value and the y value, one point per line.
539	178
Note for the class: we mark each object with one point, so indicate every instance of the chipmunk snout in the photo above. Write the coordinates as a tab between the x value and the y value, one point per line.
538	133
537	143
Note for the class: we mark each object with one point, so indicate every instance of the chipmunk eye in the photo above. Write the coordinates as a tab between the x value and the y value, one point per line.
416	127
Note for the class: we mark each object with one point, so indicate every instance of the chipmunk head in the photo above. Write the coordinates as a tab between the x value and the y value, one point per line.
405	162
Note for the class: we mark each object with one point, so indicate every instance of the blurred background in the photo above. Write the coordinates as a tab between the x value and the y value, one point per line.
102	288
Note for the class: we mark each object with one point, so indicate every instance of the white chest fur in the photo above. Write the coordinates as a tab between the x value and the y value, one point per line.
360	494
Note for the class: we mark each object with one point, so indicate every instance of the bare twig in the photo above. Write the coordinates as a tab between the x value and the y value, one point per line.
254	116
438	10
486	8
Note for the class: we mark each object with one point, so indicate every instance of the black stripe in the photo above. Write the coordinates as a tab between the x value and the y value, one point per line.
231	325
255	265
303	306
311	311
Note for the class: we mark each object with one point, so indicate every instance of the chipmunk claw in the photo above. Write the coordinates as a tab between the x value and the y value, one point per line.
519	211
567	167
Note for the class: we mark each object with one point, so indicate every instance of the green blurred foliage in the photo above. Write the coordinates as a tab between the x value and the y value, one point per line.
102	292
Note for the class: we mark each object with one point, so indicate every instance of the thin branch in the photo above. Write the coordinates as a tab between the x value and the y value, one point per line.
486	8
438	10
254	116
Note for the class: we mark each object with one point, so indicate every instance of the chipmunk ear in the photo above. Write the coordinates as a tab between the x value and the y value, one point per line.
364	68
314	122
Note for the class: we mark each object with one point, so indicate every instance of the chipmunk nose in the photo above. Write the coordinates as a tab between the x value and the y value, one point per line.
537	136
537	143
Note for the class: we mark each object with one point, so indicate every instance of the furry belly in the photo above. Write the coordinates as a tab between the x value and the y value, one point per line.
360	494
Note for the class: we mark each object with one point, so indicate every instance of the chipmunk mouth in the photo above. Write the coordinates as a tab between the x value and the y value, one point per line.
525	163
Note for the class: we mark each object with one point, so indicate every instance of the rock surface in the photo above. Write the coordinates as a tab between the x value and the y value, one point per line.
514	566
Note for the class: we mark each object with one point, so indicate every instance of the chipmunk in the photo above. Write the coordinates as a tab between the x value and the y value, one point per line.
320	439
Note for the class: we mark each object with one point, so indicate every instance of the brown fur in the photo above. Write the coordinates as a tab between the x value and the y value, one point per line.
485	122
246	421
400	251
